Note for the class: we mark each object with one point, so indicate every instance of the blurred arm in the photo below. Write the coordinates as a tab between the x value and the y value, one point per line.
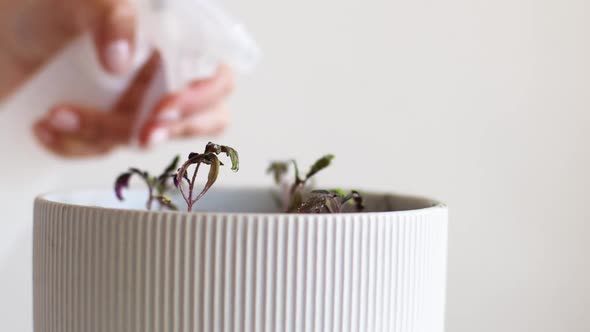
31	31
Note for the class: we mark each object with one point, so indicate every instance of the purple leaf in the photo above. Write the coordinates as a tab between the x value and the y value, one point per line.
169	169
121	183
143	174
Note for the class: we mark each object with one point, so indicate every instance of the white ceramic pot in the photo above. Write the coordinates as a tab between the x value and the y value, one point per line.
102	266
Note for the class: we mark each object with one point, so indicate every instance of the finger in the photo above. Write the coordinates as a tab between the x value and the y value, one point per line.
75	125
131	100
211	122
94	127
114	33
197	97
66	146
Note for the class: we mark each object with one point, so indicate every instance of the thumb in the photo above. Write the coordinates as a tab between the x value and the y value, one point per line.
114	34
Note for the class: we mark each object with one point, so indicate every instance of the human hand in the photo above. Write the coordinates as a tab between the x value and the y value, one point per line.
33	31
198	109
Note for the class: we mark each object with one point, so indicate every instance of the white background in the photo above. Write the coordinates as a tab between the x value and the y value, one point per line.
482	104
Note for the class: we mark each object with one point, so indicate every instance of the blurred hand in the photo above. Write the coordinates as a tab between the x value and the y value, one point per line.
76	131
31	32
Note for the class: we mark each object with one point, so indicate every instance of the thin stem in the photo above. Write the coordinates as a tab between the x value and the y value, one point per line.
195	173
190	201
151	197
182	190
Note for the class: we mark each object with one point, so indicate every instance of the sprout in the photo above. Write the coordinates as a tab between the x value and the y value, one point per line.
195	160
299	199
157	185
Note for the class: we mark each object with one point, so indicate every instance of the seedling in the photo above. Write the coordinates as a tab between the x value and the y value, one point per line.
331	201
298	198
157	186
196	160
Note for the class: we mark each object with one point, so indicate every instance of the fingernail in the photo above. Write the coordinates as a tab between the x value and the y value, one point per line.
45	136
169	115
158	136
65	120
118	55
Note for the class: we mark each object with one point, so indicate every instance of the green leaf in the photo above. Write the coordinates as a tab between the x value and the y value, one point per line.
339	192
278	169
233	156
229	151
173	166
165	201
296	167
319	165
151	181
161	184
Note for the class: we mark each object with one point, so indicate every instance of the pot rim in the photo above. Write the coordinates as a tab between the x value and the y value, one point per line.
431	205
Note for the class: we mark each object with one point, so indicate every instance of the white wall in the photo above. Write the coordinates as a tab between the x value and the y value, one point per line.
482	104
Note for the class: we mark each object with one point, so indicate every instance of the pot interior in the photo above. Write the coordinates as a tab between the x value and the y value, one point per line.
232	200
